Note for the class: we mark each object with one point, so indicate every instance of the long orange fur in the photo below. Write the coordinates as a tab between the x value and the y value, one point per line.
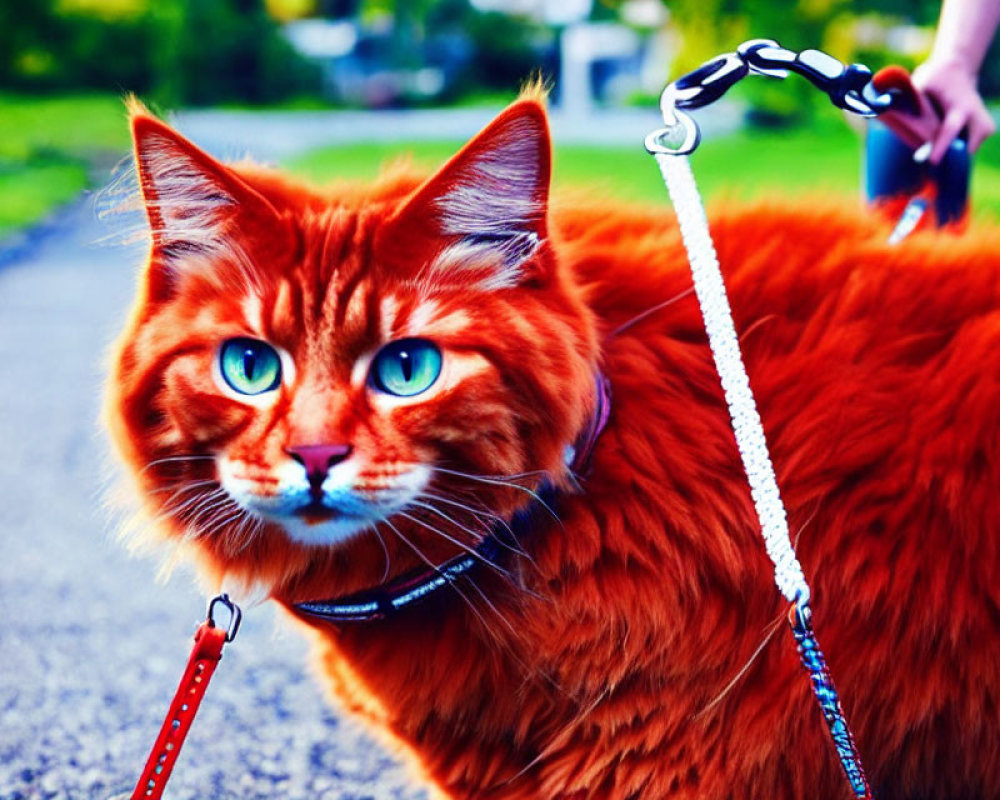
601	662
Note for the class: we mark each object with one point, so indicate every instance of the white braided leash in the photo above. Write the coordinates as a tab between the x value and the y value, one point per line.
670	146
722	339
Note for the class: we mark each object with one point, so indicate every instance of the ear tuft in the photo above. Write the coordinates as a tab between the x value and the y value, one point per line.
135	107
536	90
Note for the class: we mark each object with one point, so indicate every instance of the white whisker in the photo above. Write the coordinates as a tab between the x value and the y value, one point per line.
385	550
182	487
518	549
470	550
501	482
479	535
174	511
175	459
454	584
774	626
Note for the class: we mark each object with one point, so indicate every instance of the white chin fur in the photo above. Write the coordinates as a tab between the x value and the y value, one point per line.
355	513
326	532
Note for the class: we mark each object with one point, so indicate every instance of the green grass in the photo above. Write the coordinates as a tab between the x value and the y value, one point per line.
821	159
986	179
29	193
46	147
48	143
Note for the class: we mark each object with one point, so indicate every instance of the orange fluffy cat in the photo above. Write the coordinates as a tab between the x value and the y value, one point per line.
395	397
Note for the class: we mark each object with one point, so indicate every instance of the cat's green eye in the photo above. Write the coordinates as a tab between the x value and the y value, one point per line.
406	367
250	366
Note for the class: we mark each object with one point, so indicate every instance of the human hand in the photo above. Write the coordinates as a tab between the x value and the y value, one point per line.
914	118
950	85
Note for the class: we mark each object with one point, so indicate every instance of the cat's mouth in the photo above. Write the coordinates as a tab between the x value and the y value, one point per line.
316	523
324	514
315	512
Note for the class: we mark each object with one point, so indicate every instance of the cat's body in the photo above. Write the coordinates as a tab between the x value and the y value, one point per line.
603	665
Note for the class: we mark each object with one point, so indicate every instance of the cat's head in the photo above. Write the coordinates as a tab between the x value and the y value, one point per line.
320	387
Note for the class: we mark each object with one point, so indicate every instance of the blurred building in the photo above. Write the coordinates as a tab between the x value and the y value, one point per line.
590	56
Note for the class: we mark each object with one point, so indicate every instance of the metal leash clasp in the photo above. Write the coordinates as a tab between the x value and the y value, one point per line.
849	86
680	136
235	615
696	89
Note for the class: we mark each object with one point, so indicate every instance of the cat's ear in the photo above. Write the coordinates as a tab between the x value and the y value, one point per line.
198	209
480	221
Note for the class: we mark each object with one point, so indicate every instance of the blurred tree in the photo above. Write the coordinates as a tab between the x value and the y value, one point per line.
707	28
338	9
173	51
505	49
710	27
229	51
919	12
24	33
508	50
107	10
106	46
798	26
287	10
989	75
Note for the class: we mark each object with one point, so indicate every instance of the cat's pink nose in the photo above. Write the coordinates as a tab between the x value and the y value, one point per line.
318	458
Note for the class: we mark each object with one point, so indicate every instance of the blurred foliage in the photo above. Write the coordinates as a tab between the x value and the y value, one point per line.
199	52
172	51
285	10
710	27
506	50
247	58
108	10
498	51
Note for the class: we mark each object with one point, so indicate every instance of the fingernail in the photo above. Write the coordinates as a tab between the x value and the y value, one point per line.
922	153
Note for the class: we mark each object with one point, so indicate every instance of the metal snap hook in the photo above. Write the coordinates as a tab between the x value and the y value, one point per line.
706	84
677	139
235	615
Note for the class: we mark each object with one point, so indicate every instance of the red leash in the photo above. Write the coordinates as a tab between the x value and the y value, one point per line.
205	655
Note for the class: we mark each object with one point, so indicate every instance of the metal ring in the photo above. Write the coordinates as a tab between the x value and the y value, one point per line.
235	615
678	139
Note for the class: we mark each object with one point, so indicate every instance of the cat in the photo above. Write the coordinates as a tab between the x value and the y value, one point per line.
322	390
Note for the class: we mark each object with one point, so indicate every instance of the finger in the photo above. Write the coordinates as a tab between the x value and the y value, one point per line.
925	127
950	128
981	125
928	105
906	127
926	124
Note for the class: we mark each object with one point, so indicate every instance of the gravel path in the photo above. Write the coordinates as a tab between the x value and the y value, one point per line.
91	647
276	135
